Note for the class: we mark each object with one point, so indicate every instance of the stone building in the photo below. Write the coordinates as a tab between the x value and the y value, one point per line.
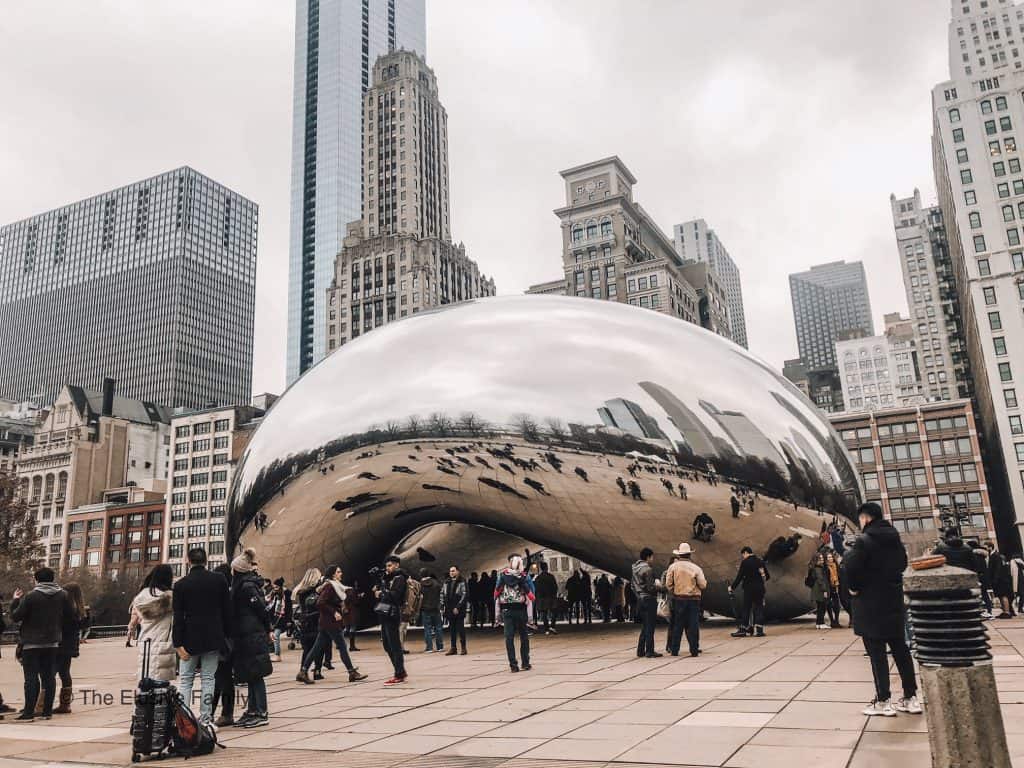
881	371
115	538
399	259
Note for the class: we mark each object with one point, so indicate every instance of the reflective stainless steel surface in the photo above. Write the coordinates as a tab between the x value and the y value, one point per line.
530	417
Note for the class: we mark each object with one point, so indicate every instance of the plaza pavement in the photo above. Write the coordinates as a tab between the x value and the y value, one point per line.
790	699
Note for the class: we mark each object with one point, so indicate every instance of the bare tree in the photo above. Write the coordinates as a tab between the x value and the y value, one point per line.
557	429
528	426
21	552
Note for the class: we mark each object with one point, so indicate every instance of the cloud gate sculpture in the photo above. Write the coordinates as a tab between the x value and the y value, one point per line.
583	426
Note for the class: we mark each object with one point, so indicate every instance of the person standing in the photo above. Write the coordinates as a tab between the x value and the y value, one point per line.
351	618
645	587
572	594
473	589
332	603
603	590
817	581
279	604
734	504
251	637
487	593
430	612
752	575
153	613
618	599
547	596
1001	580
390	594
42	613
454	600
874	568
202	610
832	571
70	636
586	595
981	568
684	583
512	592
224	678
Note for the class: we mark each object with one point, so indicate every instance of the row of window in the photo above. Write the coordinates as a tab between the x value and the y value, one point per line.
200	478
196	513
194	531
116	521
201	445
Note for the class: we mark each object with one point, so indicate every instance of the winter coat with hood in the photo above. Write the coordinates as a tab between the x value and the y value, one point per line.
333	602
956	553
42	612
999	575
156	615
251	658
454	596
431	592
874	568
643	579
820	587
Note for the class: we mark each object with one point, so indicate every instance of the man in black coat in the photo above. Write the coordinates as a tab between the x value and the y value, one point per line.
202	610
390	594
874	567
955	551
752	574
547	594
41	613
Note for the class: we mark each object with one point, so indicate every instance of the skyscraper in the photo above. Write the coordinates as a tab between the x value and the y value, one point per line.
404	235
932	297
152	284
827	300
979	179
695	240
336	45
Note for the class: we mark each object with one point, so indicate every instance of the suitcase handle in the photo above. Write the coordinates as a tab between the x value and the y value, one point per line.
145	656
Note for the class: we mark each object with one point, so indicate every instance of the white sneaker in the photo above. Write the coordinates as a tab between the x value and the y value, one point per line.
911	706
879	708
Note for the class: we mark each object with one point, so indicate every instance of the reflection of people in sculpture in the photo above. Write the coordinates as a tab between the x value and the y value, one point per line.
634	490
735	504
622	485
682	492
668	486
703	527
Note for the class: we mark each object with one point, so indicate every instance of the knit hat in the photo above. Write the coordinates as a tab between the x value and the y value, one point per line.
245	562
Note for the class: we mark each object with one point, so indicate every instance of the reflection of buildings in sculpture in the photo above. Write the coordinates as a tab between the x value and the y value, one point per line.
697	436
749	440
811	456
632	419
826	442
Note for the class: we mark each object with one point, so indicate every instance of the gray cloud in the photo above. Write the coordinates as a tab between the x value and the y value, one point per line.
786	126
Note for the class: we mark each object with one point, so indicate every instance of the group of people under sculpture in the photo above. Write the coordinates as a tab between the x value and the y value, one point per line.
224	625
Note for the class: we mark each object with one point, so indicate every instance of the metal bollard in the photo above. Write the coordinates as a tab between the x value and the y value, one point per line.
965	722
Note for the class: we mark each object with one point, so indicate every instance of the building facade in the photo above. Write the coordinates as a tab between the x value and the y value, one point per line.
696	241
115	539
880	371
980	183
336	45
932	296
88	443
827	300
921	463
613	250
206	447
399	259
152	284
712	300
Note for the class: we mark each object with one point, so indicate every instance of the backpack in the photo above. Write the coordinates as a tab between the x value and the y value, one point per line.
413	599
512	593
191	736
309	613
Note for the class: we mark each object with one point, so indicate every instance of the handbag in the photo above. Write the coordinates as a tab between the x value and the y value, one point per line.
386	610
664	608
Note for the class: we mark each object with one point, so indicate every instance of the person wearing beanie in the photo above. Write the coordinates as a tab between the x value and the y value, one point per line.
279	604
252	636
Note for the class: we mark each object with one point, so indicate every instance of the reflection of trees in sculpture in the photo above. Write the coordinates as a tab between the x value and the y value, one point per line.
527	427
557	429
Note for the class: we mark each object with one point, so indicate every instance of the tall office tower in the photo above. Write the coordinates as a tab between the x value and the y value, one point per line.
696	241
980	183
152	284
827	300
404	234
932	297
336	45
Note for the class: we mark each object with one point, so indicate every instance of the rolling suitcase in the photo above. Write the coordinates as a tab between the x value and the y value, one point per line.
153	718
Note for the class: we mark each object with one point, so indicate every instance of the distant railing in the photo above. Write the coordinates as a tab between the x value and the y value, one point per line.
10	637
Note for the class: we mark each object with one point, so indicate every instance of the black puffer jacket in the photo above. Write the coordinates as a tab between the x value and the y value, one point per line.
874	571
42	613
956	554
251	658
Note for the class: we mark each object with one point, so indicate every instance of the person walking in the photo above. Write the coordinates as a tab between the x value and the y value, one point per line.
752	575
1001	579
332	603
547	596
645	586
874	568
70	637
684	583
251	637
430	612
42	613
224	678
279	604
817	581
454	599
981	568
152	612
308	620
351	617
512	592
202	611
390	594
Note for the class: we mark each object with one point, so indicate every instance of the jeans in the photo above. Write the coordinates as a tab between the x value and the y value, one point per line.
819	615
389	637
258	697
880	666
833	606
323	642
686	617
307	642
39	666
64	669
206	664
753	610
224	690
457	628
514	619
647	611
433	632
278	631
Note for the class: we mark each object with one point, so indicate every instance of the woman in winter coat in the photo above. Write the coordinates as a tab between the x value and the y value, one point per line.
817	579
307	617
71	629
332	602
152	613
1002	583
251	637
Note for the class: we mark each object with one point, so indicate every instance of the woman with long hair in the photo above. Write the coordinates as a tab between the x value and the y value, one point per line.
71	629
307	617
250	636
152	611
817	582
333	602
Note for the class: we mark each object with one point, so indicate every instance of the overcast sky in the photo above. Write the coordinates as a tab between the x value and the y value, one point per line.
785	125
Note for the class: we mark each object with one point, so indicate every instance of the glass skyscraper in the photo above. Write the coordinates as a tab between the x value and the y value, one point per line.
152	284
337	43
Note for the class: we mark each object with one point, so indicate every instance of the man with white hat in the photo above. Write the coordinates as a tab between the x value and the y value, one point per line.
684	583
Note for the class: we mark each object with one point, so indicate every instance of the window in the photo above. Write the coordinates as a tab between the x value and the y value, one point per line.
961	155
1003	189
220	442
975	219
990	129
995	322
1010	398
995	148
970	198
1005	374
979	243
986	107
954	115
1001	103
1014	165
984	269
1013	236
990	295
202	428
1016	427
999	169
1005	124
999	343
871	481
958	134
966	177
1019	448
867	456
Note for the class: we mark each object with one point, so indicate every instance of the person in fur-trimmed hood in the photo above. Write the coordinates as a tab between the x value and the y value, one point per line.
251	637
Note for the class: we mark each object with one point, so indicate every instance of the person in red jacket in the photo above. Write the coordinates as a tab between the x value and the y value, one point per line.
333	603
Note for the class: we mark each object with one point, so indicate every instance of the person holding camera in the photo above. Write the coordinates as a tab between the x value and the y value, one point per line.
390	593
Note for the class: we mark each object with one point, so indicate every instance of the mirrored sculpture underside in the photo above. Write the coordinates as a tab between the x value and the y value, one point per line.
588	427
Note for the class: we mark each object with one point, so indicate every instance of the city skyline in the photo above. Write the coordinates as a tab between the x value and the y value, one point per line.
781	166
